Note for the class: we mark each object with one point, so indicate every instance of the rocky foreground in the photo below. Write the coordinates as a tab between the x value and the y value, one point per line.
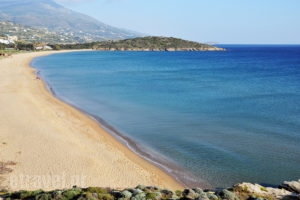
287	191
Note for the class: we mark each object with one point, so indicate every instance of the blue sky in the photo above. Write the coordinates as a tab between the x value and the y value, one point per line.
217	21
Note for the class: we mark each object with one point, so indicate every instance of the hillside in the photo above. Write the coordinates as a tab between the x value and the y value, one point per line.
34	35
56	18
154	44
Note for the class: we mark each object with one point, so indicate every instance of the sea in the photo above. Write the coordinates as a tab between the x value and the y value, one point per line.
209	119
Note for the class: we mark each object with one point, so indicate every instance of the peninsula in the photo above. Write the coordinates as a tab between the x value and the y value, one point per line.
154	43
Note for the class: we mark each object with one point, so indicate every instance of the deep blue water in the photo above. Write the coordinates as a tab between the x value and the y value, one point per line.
210	118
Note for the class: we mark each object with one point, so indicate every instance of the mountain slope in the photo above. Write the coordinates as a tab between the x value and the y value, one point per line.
48	14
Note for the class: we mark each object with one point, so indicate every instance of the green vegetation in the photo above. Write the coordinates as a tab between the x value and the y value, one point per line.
141	44
142	193
263	189
20	37
153	44
30	34
53	23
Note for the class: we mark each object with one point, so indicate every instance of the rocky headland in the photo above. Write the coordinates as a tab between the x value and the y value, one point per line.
152	43
288	190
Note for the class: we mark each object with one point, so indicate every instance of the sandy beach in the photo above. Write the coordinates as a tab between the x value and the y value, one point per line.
45	143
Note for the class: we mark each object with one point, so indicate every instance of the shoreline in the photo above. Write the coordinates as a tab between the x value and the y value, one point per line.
45	136
180	175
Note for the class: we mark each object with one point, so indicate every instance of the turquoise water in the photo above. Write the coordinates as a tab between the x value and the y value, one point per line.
210	119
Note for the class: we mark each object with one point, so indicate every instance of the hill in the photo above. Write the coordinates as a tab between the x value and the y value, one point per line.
47	14
34	35
154	44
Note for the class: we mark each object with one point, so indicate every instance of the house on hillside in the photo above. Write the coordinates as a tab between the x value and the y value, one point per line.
43	47
8	39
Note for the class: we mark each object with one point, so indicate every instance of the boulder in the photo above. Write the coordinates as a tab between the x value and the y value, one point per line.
258	190
139	196
166	194
141	187
189	194
292	186
226	194
126	194
117	194
136	191
198	190
211	196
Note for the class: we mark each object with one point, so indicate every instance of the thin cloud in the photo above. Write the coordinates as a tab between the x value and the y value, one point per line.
80	1
72	1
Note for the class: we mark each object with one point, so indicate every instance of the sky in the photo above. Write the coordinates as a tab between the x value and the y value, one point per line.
209	21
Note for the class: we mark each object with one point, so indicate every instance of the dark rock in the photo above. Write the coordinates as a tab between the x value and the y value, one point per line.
226	194
291	197
189	194
167	194
117	194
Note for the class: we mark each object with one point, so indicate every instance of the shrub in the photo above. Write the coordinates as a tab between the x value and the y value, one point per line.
151	195
105	197
264	189
178	193
44	196
72	193
97	190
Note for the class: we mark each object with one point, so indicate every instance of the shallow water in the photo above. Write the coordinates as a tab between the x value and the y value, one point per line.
210	118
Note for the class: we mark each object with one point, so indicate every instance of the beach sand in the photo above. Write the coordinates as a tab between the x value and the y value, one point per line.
52	145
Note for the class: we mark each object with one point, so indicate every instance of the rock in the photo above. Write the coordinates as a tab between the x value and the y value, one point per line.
126	194
166	194
56	194
151	188
292	186
117	194
203	196
226	194
136	191
211	196
292	197
141	187
257	190
139	196
158	195
153	196
198	190
189	194
94	195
